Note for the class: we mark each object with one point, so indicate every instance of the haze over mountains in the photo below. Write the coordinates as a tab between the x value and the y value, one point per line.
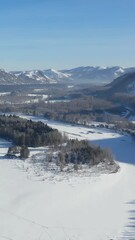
80	75
94	75
97	75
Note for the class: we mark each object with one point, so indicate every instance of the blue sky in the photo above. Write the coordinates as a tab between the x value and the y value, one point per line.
41	34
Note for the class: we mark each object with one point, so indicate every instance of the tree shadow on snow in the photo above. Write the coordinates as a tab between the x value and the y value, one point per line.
129	232
122	147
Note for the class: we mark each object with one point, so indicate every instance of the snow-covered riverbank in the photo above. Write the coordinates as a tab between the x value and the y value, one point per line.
96	208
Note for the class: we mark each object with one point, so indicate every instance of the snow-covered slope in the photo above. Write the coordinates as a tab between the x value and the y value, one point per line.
34	76
7	78
57	75
42	76
48	76
81	208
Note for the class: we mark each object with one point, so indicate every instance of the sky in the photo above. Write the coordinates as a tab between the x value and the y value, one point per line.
61	34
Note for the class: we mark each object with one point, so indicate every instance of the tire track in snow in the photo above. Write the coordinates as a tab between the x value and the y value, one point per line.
26	220
45	228
4	237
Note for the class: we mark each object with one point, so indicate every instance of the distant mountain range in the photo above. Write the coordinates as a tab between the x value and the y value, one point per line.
97	75
49	76
80	75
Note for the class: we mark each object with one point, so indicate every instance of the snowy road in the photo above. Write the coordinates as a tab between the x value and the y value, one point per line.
97	208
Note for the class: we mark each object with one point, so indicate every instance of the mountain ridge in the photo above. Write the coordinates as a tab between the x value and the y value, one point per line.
79	75
125	83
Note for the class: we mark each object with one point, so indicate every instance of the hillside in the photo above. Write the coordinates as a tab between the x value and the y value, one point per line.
7	78
125	83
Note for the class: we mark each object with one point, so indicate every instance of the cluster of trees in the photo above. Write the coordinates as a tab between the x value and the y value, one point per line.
81	109
28	133
75	155
124	99
16	98
14	151
81	152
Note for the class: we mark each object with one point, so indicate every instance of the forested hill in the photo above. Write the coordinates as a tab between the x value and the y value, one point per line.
26	132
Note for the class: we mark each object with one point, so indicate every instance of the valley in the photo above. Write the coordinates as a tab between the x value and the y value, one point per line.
67	120
40	201
42	207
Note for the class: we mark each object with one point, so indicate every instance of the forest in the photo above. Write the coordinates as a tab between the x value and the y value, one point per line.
83	152
26	132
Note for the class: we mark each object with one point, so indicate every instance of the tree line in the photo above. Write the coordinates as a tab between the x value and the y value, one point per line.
79	153
28	133
82	152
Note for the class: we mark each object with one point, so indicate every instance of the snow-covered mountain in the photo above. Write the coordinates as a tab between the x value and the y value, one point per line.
7	78
48	76
80	75
57	75
34	76
98	75
25	77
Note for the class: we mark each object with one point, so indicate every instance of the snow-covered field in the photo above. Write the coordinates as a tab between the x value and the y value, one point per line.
91	208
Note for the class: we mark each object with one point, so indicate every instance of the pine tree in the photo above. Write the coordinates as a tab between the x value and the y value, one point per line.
24	153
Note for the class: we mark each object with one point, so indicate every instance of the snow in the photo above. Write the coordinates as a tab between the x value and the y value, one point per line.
39	76
57	101
70	86
102	68
82	208
4	93
120	70
132	118
44	96
54	74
